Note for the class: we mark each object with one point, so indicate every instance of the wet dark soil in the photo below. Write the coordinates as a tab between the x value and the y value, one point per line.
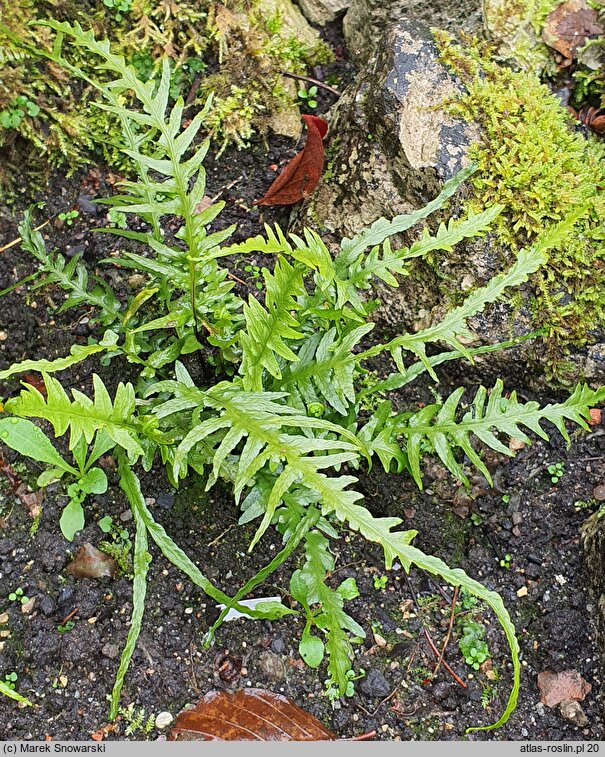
519	538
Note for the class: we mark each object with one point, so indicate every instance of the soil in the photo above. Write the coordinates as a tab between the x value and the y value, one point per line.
68	675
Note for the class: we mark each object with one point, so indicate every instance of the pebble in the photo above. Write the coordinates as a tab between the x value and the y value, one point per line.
112	651
278	645
441	690
374	684
126	516
599	493
272	666
163	720
517	518
165	500
65	595
46	605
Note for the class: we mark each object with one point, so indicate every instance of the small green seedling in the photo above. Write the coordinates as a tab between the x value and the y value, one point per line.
556	471
120	6
18	596
66	627
582	504
308	96
506	498
476	519
117	219
69	217
472	644
506	561
332	688
380	582
11	117
256	275
10	679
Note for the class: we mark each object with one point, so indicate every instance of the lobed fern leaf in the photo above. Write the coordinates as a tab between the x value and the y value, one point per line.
435	426
81	416
267	328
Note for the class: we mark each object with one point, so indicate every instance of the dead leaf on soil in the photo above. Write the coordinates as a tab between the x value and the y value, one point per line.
301	175
247	715
569	26
595	414
91	563
32	501
558	687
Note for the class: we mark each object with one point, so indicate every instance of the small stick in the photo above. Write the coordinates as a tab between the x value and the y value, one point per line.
18	239
364	736
236	278
449	631
445	665
312	81
69	617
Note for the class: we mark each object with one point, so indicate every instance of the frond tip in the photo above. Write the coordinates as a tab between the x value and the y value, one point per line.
435	428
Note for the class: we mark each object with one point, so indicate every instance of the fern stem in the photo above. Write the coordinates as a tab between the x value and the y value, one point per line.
303	527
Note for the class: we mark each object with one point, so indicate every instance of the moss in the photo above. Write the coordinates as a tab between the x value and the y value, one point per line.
245	45
534	160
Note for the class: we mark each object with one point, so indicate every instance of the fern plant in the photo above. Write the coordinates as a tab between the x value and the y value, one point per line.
282	420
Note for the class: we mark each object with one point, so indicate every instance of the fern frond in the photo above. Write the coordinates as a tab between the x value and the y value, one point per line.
454	326
325	369
435	426
268	426
267	329
81	416
384	263
397	546
70	275
383	228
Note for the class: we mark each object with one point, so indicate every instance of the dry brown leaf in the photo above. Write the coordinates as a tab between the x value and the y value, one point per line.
91	563
569	26
595	416
558	687
247	715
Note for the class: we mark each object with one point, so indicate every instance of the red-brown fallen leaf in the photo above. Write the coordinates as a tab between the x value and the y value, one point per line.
35	380
247	715
559	687
594	416
301	175
91	563
569	26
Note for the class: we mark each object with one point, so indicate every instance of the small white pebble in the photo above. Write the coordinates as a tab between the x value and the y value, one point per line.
163	720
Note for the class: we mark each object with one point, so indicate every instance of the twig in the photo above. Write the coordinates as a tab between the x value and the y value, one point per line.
449	631
18	239
236	278
193	91
430	640
220	536
312	81
445	664
69	617
364	736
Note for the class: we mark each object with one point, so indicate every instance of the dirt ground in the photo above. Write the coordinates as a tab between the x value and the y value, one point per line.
526	517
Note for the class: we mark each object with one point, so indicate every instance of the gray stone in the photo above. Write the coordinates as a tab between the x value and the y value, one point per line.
321	12
366	20
374	684
392	145
272	666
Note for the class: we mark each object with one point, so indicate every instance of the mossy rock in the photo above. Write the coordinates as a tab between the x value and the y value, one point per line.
410	122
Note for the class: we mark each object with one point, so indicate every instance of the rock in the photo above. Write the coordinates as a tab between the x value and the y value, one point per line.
272	666
278	645
163	720
321	12
165	500
559	687
599	493
46	605
366	20
573	712
111	651
441	690
374	685
392	144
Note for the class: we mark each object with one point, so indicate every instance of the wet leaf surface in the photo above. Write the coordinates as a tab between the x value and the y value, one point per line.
301	175
248	715
91	563
569	26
